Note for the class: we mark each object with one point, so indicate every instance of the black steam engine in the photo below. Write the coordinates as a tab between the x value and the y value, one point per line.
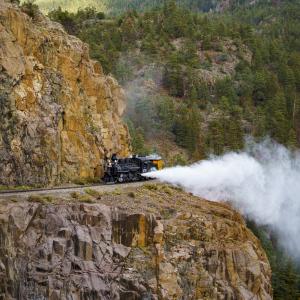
119	170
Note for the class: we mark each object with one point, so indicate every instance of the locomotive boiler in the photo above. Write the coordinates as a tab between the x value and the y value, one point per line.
119	170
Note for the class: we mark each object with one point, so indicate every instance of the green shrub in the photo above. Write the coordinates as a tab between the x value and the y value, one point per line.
79	181
178	160
177	188
15	1
222	58
131	194
30	8
75	195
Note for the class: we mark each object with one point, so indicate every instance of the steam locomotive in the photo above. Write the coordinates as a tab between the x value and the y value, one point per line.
119	170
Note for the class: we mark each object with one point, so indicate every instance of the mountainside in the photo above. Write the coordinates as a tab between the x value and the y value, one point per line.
152	246
60	115
195	84
198	84
201	81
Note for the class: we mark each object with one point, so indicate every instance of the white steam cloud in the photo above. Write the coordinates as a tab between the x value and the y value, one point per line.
263	182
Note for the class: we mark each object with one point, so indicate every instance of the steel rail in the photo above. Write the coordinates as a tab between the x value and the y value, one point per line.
6	192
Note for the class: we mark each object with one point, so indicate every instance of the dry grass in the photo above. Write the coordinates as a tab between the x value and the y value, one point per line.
150	186
167	190
15	188
82	197
177	188
86	199
159	188
41	199
85	181
93	193
116	192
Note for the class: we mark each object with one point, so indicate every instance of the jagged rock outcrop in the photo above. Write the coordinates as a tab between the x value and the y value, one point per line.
60	115
96	251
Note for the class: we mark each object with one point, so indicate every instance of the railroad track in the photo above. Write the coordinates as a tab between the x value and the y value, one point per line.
5	192
69	188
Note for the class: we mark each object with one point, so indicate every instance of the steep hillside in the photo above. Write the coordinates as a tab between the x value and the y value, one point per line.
205	81
60	115
152	246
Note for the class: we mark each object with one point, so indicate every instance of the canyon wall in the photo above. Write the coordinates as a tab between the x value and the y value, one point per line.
69	250
60	115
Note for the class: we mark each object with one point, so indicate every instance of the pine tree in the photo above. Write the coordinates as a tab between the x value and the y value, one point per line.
278	123
234	134
166	111
259	123
187	129
174	77
292	142
215	137
286	284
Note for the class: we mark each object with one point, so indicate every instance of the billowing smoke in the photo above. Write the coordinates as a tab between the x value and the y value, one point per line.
263	182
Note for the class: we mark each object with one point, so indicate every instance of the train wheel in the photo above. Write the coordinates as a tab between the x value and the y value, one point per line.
109	179
122	178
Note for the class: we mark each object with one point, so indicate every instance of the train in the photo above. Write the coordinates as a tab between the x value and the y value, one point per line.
130	169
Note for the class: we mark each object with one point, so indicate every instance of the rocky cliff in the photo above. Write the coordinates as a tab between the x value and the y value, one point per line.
60	115
142	243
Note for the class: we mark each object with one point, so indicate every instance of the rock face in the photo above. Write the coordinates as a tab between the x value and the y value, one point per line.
93	251
60	115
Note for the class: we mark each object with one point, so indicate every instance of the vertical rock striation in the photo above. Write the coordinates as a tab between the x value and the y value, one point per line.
93	251
60	115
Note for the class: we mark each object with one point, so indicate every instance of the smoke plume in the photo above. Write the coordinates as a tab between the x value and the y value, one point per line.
263	182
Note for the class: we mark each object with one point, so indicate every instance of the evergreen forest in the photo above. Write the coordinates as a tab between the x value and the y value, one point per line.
203	80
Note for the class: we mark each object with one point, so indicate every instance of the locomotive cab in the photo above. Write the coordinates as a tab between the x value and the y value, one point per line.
155	162
131	168
158	163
